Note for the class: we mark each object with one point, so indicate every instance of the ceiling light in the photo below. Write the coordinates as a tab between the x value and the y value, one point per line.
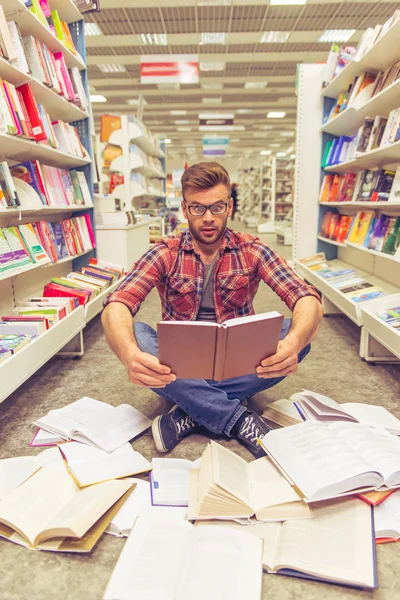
212	38
167	141
263	126
168	86
135	101
336	35
212	100
212	86
274	145
178	112
112	68
97	98
239	128
287	133
255	85
292	156
281	153
184	129
212	66
272	37
153	39
181	122
92	29
244	111
287	2
276	114
265	152
214	2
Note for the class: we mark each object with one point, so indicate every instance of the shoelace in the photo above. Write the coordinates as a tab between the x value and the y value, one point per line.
185	423
249	429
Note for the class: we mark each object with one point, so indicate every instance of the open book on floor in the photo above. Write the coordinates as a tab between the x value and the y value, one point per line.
170	481
316	407
177	560
14	471
50	512
203	350
95	423
387	520
282	413
228	487
336	546
326	461
89	465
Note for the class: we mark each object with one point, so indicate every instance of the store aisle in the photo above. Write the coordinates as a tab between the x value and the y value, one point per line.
333	361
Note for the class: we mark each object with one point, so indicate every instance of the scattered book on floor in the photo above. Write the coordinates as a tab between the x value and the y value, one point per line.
50	512
387	519
227	487
317	407
178	560
95	423
336	546
45	438
238	345
328	461
88	465
14	471
170	481
282	413
375	498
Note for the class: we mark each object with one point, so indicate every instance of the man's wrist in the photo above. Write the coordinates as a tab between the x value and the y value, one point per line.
294	339
128	354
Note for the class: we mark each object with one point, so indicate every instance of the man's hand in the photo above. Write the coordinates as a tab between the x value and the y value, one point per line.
146	370
284	362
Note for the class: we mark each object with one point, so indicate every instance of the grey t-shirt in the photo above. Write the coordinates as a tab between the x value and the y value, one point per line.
207	309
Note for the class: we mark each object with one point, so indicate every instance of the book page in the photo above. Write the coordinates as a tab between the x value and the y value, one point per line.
14	471
222	563
387	517
152	561
374	416
337	544
170	481
268	486
318	460
231	472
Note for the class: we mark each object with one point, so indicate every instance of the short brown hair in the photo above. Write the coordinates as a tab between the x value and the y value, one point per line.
205	175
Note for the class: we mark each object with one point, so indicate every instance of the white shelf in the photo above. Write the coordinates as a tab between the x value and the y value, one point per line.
121	228
42	210
21	149
374	252
19	367
386	206
137	191
31	267
95	306
380	157
378	329
379	57
29	24
136	136
329	241
136	164
67	10
345	123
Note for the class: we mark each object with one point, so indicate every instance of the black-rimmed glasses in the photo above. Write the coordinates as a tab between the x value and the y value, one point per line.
198	210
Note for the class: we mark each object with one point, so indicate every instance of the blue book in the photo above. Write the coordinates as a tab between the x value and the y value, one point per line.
59	239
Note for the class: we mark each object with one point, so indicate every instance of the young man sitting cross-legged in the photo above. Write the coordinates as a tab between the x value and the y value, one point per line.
210	273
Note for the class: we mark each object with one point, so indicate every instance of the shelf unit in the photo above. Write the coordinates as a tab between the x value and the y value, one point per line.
250	195
376	330
22	283
266	221
380	269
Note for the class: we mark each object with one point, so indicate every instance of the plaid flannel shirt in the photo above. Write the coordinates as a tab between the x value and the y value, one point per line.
174	267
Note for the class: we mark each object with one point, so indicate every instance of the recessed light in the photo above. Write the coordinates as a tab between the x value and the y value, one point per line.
97	98
184	129
112	68
214	2
92	29
276	114
181	122
153	39
292	156
274	145
336	35
266	152
212	100
212	86
281	154
287	133
274	37
167	141
212	66
244	111
136	101
287	2
178	112
215	37
250	85
168	86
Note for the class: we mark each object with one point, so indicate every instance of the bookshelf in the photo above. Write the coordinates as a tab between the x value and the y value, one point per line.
65	337
267	197
378	341
250	195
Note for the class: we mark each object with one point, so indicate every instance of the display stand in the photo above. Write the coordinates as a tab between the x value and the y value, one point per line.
375	267
133	242
267	197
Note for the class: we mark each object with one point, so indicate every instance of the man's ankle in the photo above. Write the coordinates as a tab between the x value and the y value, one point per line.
237	426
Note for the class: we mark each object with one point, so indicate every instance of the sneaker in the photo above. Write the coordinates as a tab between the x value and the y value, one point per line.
251	429
168	430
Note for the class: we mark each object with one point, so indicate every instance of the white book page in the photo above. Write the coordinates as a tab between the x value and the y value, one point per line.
137	504
252	318
170	481
231	472
337	543
45	438
317	405
315	457
14	471
268	486
374	416
151	562
223	564
387	517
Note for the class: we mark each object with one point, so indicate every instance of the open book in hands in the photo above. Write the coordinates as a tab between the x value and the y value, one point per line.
227	487
95	423
325	461
316	407
205	350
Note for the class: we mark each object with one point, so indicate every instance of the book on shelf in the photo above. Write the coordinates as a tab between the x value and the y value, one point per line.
212	351
317	407
175	559
10	342
170	481
391	316
6	45
392	240
387	519
95	423
9	197
360	226
227	487
16	39
330	460
30	329
298	548
50	512
380	233
377	132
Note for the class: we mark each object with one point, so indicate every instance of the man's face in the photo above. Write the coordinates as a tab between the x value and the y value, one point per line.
207	228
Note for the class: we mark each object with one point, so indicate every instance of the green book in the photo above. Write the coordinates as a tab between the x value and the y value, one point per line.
77	188
327	150
57	25
393	239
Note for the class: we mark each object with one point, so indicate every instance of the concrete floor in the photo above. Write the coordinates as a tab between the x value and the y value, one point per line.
332	368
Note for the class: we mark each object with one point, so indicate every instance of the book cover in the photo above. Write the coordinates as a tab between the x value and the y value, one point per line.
360	226
108	124
26	172
394	195
366	185
383	182
60	243
392	241
33	112
364	135
379	233
347	187
334	191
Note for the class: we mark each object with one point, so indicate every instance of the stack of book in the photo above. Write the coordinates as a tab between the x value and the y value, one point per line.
391	316
335	227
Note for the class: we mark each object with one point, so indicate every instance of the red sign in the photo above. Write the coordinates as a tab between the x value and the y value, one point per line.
169	68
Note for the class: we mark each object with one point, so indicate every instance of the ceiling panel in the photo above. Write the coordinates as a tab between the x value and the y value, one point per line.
179	20
245	18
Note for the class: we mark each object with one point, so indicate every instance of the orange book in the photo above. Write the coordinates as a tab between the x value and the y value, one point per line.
360	227
325	188
334	191
108	124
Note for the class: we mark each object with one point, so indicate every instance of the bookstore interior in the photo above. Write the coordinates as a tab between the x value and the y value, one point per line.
105	107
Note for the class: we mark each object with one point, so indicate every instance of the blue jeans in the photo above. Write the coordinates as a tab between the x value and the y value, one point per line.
216	405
